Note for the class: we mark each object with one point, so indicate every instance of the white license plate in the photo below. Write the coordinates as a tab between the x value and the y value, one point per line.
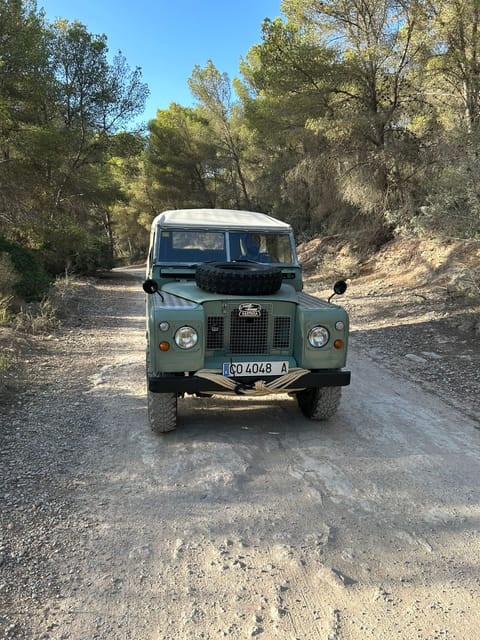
234	369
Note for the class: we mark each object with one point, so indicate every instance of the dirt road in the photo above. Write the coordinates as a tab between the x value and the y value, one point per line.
248	521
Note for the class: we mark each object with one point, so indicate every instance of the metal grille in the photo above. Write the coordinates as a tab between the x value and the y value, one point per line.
281	332
248	335
238	334
215	332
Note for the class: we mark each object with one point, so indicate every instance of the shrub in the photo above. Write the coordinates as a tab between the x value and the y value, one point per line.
46	315
8	278
32	281
36	318
71	249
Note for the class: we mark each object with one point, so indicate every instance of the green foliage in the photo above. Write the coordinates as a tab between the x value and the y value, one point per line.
348	118
8	279
74	248
131	216
454	78
31	280
63	105
213	92
452	199
181	159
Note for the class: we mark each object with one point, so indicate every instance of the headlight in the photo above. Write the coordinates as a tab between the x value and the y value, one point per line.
318	336
186	337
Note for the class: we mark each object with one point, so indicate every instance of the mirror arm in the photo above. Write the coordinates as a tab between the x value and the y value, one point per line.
339	289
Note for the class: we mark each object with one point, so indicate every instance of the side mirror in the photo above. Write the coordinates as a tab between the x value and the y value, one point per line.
339	289
150	286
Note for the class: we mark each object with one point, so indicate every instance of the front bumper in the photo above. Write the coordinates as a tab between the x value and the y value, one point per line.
196	384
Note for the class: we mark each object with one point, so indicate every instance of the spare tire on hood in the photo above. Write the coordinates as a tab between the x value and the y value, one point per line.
238	278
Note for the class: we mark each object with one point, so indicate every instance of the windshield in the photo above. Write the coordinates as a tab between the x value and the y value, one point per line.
181	246
261	247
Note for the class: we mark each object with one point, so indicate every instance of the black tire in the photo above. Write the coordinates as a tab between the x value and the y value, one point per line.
162	411
238	278
319	403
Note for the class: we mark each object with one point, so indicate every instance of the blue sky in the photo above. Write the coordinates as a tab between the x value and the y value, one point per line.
167	38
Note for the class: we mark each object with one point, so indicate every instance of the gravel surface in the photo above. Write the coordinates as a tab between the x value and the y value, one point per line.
423	335
248	521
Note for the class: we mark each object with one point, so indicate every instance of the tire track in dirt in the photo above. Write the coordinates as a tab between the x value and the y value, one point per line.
249	520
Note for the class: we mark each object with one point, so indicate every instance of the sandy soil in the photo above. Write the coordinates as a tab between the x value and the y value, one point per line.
249	520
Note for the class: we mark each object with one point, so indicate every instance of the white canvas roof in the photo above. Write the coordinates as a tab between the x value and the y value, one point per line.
220	219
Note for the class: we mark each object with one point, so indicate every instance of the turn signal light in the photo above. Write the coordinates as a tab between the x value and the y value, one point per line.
164	346
338	344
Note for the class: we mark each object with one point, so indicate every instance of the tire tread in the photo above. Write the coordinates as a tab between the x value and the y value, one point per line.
162	411
319	403
238	278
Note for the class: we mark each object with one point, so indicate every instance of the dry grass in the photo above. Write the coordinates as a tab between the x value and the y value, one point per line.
46	316
33	319
452	265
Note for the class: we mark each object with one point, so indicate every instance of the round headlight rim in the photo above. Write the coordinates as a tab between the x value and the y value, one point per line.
178	337
324	331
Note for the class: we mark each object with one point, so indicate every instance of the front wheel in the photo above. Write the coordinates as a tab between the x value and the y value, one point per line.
319	403
162	411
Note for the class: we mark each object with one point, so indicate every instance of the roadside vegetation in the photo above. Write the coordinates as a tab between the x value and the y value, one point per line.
353	121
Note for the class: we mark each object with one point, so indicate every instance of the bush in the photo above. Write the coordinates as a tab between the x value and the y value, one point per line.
71	249
32	281
8	278
8	275
60	302
95	255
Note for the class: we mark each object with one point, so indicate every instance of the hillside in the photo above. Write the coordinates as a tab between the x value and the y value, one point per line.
439	262
406	281
414	306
